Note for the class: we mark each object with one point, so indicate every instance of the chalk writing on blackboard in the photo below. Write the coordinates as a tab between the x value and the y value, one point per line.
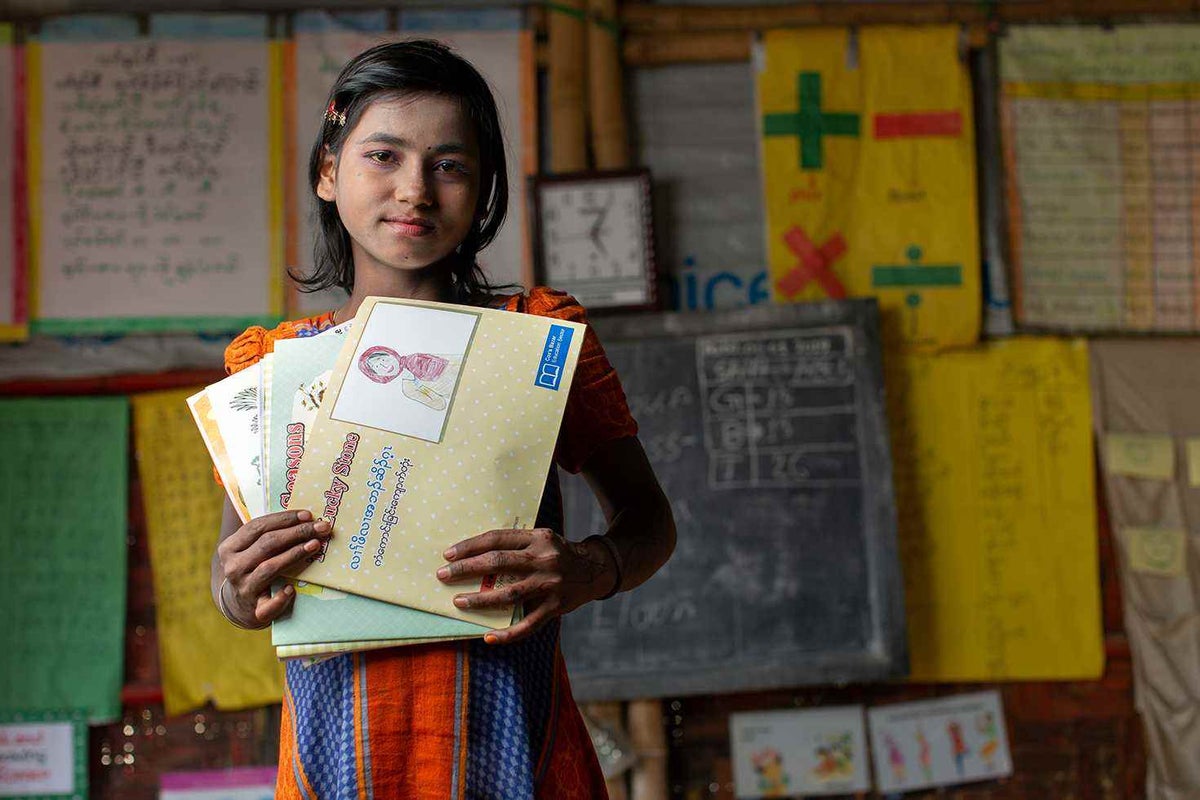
779	409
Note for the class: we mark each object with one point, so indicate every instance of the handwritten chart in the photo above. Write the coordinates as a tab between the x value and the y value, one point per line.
203	656
44	755
155	188
1102	146
12	242
994	489
64	479
491	40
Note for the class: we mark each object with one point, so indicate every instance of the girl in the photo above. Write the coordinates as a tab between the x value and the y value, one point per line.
410	177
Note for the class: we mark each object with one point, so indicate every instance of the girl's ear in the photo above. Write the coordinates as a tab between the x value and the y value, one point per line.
327	182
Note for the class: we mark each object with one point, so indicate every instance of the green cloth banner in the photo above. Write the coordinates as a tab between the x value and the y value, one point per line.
64	488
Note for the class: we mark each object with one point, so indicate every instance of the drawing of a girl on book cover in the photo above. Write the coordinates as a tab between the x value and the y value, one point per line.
430	377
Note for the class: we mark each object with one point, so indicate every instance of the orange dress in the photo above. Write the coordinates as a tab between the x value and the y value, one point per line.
452	720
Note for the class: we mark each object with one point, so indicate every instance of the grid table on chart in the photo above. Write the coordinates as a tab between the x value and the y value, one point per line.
780	410
1105	205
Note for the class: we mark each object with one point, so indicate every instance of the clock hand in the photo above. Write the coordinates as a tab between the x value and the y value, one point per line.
595	229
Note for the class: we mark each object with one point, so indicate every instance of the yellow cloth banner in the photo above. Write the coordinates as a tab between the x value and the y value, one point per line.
997	511
203	656
869	173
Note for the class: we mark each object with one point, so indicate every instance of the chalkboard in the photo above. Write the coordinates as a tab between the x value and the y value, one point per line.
766	428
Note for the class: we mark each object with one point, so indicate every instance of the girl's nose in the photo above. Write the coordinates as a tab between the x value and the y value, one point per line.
412	186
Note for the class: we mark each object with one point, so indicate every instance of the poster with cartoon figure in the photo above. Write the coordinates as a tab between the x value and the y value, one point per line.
798	752
939	742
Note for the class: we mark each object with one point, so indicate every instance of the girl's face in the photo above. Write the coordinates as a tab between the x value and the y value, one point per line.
406	182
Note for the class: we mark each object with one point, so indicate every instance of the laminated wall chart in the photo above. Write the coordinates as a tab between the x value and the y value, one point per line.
13	316
492	40
1102	151
155	181
994	491
862	129
203	657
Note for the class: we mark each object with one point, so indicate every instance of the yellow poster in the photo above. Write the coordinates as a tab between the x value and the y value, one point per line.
203	656
995	491
868	162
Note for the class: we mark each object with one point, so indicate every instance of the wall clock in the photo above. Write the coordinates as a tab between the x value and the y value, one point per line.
593	237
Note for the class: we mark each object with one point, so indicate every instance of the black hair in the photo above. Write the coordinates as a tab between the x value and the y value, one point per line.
403	69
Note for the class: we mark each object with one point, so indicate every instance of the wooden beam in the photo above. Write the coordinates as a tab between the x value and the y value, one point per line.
652	50
639	18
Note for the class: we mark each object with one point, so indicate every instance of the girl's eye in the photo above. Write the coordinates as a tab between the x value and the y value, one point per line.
380	156
451	166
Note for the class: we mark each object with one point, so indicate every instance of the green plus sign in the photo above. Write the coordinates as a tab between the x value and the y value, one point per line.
810	123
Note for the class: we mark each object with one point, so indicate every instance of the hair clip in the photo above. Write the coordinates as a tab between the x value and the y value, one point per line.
333	115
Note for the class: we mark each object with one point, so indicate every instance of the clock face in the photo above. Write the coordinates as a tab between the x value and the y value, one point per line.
595	238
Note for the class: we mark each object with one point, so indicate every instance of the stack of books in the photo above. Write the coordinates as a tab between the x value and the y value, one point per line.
410	428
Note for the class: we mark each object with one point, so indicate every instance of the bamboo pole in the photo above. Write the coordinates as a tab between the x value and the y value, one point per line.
568	86
650	743
609	715
606	90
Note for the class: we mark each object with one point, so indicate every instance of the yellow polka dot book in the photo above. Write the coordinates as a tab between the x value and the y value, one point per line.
439	423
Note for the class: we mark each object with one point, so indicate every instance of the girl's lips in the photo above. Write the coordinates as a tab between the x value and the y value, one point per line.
409	227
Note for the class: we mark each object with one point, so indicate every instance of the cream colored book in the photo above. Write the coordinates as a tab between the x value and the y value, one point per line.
439	423
202	412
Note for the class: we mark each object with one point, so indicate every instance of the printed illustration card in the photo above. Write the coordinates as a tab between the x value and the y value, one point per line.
201	407
299	377
439	424
266	368
795	752
235	408
939	742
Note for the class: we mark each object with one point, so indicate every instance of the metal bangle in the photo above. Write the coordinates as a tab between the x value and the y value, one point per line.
616	557
225	609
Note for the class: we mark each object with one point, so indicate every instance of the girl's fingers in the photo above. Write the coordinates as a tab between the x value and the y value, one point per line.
261	578
284	540
496	562
245	537
270	608
507	539
521	630
496	598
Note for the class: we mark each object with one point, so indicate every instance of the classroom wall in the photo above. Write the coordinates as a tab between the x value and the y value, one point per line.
1077	739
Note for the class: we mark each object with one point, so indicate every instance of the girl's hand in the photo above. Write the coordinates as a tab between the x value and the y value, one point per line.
254	556
554	576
